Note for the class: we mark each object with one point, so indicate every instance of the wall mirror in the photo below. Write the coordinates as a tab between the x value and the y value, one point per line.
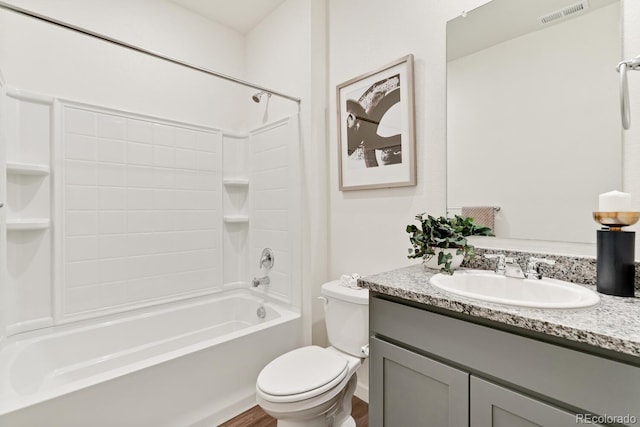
533	114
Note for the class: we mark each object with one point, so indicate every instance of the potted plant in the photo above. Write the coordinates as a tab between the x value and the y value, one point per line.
442	242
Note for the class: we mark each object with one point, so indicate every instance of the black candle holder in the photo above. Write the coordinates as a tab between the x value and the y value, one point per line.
616	267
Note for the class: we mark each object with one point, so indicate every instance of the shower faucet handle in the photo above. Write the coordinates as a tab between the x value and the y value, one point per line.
267	258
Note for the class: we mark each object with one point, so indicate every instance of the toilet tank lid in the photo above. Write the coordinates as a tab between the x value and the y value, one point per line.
335	289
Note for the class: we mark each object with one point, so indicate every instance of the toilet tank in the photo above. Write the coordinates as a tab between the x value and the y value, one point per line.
346	312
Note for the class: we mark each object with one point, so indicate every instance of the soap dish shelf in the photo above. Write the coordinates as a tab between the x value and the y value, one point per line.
236	219
28	224
19	168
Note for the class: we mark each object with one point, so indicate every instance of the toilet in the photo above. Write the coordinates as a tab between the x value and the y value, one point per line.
313	386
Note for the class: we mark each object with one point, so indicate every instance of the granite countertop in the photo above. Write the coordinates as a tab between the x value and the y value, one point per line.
613	324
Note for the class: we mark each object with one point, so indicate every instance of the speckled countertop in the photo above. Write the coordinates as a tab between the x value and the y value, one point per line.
613	324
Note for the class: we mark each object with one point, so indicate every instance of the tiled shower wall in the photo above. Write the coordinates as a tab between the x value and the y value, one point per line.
275	212
141	210
110	210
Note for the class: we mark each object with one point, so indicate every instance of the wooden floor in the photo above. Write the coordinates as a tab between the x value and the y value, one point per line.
255	417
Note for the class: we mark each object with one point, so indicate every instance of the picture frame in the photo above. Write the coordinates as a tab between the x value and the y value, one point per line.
376	128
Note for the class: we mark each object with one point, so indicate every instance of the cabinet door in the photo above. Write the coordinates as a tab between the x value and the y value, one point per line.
411	390
496	406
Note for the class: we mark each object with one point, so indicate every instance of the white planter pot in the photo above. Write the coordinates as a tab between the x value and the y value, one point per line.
432	260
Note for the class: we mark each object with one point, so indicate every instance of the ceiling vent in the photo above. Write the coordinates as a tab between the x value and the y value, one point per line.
565	12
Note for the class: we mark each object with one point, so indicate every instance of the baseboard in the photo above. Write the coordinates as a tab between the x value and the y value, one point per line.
362	392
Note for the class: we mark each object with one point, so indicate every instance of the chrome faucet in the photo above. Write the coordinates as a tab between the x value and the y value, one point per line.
533	267
507	266
513	268
257	281
267	259
501	266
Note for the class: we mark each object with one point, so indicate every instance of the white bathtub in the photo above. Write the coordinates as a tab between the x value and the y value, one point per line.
187	364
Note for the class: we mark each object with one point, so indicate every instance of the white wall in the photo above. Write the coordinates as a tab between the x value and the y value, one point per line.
64	64
367	228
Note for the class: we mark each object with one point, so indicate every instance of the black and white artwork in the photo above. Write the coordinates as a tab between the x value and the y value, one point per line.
376	128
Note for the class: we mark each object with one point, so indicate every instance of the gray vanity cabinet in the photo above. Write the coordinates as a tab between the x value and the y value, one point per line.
415	390
430	369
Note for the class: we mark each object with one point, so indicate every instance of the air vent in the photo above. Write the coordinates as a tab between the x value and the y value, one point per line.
565	12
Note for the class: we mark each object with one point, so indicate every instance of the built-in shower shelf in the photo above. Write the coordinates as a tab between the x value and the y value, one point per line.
236	219
236	182
28	224
19	168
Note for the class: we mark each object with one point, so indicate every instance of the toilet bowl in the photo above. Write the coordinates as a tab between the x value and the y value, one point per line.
313	386
306	384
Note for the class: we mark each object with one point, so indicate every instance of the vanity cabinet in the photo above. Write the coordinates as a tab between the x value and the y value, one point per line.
429	369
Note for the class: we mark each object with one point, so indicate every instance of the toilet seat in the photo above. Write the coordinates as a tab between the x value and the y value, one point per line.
302	374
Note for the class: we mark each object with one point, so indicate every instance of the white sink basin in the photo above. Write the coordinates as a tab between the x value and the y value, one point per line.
488	286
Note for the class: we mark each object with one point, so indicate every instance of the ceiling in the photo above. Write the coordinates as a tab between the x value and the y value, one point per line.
501	20
241	15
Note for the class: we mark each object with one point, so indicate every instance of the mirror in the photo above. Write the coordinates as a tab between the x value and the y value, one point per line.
533	114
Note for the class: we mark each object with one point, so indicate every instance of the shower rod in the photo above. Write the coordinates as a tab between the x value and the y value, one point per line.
25	12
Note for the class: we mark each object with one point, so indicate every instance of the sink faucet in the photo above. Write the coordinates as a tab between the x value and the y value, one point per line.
507	266
513	268
533	267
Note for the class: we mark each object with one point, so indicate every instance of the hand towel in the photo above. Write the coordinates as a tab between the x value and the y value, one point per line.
482	215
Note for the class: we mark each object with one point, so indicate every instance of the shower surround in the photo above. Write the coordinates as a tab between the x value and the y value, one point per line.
118	214
138	196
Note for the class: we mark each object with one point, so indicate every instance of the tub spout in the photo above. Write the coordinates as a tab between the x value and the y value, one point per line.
260	281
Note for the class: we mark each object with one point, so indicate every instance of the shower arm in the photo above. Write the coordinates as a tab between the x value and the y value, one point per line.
633	65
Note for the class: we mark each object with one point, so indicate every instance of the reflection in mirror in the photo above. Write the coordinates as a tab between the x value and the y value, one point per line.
533	114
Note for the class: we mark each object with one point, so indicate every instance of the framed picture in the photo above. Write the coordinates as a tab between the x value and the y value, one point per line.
376	128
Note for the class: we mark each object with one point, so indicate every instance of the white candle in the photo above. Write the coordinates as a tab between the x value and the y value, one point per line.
614	201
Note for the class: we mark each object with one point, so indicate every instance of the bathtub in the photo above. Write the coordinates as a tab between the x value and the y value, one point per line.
192	363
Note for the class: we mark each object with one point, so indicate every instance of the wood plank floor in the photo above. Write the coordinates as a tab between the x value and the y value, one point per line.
255	417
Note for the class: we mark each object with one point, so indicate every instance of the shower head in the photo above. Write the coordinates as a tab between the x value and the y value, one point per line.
258	96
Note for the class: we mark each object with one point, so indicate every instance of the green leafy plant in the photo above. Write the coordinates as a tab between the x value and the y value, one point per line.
443	233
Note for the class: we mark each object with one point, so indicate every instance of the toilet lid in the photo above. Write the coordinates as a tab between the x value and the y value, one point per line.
308	370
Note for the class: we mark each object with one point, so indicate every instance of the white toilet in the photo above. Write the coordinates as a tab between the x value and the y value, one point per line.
313	386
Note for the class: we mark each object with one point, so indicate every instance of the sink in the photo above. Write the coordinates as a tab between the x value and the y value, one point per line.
488	286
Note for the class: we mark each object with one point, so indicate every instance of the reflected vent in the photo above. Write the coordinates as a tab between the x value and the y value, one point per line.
565	12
